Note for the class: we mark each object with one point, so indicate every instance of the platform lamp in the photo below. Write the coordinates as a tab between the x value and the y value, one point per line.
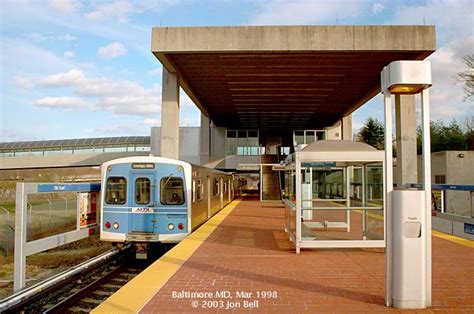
408	221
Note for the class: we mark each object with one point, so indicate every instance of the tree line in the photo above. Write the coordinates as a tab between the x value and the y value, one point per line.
454	135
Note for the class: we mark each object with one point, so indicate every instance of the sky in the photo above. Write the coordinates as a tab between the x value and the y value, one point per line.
74	69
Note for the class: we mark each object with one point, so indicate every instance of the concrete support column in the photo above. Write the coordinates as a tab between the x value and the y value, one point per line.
169	146
405	119
346	128
205	140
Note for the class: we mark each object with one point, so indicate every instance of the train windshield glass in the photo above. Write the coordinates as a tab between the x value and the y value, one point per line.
142	191
172	191
116	190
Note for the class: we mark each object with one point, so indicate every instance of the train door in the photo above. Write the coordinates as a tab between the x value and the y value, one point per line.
221	190
209	191
143	202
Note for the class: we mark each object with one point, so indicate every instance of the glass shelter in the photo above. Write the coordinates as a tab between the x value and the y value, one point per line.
334	196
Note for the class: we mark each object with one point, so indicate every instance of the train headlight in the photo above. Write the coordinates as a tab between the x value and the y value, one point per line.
107	225
116	225
180	226
170	227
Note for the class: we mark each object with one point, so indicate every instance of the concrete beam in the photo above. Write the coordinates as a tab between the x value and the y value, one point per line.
205	140
405	119
293	38
172	68
346	128
169	145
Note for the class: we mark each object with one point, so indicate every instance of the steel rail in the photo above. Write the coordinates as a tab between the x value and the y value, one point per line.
74	298
42	287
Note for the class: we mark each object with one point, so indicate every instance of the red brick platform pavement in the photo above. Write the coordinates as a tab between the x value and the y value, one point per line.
250	252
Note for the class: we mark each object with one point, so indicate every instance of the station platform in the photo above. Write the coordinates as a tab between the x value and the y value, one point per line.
242	261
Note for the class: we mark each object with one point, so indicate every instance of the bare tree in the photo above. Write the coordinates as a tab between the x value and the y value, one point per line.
467	77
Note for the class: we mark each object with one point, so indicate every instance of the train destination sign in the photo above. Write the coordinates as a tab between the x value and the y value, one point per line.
143	166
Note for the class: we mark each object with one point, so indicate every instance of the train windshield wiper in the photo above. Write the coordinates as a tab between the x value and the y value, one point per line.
168	180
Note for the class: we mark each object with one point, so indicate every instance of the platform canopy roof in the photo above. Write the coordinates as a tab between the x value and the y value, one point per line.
290	77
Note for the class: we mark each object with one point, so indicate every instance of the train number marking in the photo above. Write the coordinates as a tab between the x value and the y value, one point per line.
142	210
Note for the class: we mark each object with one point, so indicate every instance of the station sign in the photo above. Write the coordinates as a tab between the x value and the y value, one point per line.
468	228
322	165
52	188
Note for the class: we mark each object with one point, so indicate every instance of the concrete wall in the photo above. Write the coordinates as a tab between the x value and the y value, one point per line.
189	148
334	132
452	224
457	171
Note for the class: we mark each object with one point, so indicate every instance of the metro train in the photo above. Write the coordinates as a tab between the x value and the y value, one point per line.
154	200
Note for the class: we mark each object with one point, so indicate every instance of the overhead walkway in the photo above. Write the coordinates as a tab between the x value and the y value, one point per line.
245	251
81	152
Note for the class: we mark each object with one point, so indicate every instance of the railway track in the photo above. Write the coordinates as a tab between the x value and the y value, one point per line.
78	291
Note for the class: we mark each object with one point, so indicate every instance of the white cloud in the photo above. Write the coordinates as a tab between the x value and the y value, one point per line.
43	37
188	121
117	9
67	37
138	105
86	65
112	50
184	100
152	122
59	102
455	39
156	72
22	82
15	49
116	96
9	135
64	6
279	12
101	87
116	129
377	8
68	54
62	79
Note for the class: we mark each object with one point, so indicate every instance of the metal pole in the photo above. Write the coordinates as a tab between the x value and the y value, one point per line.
364	212
348	199
388	187
50	208
20	238
298	202
6	228
30	207
425	112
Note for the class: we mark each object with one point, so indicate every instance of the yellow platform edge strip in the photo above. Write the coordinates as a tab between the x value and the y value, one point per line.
439	234
132	297
453	238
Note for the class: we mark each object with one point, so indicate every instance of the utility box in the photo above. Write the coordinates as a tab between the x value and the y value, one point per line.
409	249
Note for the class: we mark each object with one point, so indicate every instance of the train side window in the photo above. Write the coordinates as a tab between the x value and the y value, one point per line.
194	190
172	191
142	191
200	190
215	187
225	186
116	190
